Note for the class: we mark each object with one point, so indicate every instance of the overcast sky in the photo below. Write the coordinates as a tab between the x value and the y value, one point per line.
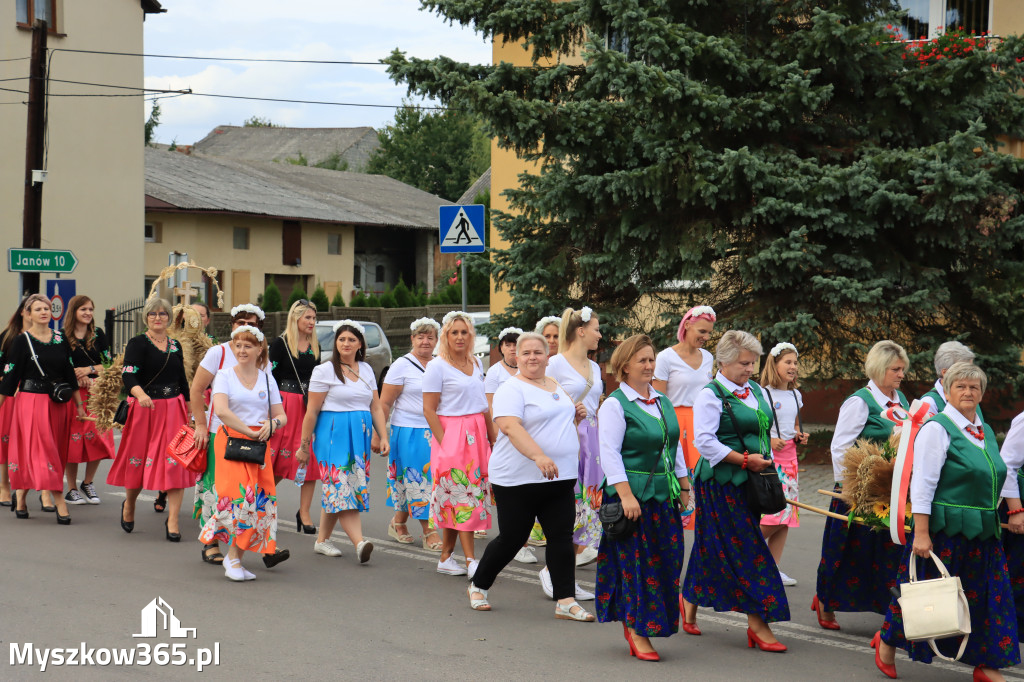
348	30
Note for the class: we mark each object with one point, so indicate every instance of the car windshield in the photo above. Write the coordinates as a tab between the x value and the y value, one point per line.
325	335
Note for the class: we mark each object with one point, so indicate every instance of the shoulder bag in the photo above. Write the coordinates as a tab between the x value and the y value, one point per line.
933	609
121	413
764	489
60	391
248	450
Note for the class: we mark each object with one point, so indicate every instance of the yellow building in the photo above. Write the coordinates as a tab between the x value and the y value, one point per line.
92	197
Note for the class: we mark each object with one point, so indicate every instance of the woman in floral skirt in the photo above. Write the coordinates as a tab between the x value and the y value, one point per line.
343	411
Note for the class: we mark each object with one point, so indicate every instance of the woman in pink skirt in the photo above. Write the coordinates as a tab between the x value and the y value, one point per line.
455	406
154	377
37	450
14	327
87	346
779	380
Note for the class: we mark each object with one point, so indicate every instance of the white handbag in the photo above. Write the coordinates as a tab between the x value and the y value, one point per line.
934	609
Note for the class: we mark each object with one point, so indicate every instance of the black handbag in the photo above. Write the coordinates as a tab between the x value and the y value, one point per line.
248	450
121	413
764	488
60	391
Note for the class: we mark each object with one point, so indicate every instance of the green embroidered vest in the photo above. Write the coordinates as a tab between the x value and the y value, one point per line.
877	428
968	489
642	449
748	441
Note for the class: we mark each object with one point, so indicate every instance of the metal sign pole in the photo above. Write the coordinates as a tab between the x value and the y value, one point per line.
465	287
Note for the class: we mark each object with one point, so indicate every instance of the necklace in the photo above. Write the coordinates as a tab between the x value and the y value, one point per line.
508	365
245	382
543	382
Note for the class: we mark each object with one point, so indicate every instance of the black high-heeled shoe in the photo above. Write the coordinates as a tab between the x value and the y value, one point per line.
18	513
45	508
301	527
171	537
126	526
160	503
63	520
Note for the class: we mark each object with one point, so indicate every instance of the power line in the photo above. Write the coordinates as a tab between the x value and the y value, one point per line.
13	59
221	59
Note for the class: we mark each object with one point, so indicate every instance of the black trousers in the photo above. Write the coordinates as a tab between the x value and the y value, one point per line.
553	504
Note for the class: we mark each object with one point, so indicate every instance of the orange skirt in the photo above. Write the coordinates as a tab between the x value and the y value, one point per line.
685	416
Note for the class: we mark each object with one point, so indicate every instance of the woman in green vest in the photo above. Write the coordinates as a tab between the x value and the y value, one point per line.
947	355
858	565
731	567
958	476
638	577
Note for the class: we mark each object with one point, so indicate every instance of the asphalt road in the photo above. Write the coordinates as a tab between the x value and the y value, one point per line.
318	618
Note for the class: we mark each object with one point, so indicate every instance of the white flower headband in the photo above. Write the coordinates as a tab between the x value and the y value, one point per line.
585	313
545	321
350	323
509	330
416	324
448	317
779	347
704	310
250	329
248	308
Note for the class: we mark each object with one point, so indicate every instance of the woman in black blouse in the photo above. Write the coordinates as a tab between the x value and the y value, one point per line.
87	345
39	426
154	378
293	356
14	327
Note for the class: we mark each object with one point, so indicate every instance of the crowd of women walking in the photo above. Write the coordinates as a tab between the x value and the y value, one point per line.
614	477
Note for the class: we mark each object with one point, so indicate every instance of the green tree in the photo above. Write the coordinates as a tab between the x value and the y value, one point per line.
388	300
372	301
152	122
404	297
358	301
297	293
272	298
789	163
258	122
439	152
338	301
319	298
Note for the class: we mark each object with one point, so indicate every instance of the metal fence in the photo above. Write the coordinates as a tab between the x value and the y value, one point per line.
122	323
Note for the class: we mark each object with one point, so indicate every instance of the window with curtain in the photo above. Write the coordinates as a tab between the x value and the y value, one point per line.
27	11
925	15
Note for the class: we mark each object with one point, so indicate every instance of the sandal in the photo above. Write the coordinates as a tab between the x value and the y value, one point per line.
477	604
216	557
566	612
160	503
434	546
398	536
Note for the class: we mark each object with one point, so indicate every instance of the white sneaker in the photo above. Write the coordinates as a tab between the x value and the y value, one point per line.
545	583
363	550
786	580
233	570
473	563
247	574
326	548
583	595
525	555
451	567
586	557
74	497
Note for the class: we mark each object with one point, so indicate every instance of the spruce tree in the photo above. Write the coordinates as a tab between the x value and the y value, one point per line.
271	298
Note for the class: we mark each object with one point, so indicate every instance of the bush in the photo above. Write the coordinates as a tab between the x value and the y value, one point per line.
319	298
404	297
372	301
358	301
338	300
388	300
272	298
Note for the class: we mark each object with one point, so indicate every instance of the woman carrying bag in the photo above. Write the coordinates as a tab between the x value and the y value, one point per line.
954	491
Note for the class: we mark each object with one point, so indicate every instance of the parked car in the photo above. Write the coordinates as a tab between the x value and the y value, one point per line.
378	349
482	347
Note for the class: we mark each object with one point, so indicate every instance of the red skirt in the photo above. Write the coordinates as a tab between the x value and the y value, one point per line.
6	412
286	441
86	444
38	449
142	460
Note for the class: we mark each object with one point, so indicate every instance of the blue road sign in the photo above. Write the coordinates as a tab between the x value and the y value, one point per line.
59	291
462	229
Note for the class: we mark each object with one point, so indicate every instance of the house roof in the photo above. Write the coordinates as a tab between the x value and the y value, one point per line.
482	184
152	7
268	143
198	183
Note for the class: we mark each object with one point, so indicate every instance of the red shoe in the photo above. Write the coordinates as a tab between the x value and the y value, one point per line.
775	647
979	676
688	628
888	669
825	624
643	656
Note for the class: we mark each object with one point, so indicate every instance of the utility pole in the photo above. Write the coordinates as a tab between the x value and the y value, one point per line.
31	237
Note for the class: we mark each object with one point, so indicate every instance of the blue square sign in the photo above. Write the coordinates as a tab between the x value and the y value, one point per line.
462	229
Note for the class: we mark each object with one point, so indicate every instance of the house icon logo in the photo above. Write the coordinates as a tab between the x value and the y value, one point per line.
158	616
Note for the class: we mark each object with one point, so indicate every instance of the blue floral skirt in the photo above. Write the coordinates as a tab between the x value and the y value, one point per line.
409	482
858	565
1013	546
341	441
638	578
730	567
981	566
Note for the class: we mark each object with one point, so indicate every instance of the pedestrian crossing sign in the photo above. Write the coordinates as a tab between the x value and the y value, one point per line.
462	229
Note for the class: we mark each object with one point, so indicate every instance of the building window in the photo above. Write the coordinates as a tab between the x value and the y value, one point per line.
334	244
241	238
926	17
151	232
148	281
30	10
357	276
380	273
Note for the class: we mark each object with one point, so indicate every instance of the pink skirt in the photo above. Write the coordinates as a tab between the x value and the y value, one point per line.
142	460
286	441
86	444
787	464
38	448
461	492
6	413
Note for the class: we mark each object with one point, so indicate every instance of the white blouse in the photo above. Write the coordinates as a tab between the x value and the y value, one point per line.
217	358
407	372
1013	455
611	428
684	382
785	402
461	394
933	408
354	395
707	415
853	415
560	369
930	447
497	374
249	405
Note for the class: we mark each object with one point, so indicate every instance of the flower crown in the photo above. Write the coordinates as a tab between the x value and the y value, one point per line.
448	317
545	321
349	323
779	347
248	308
585	313
509	330
703	310
416	324
250	329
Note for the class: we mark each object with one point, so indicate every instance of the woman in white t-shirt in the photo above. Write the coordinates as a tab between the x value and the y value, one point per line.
778	379
342	412
247	403
533	481
455	407
409	480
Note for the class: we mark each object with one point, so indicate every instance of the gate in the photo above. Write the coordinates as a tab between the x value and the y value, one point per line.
120	326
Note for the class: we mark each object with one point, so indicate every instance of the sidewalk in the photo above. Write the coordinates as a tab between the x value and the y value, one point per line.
813	477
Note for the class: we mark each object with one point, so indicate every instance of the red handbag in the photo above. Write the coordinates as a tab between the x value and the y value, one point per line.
184	451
